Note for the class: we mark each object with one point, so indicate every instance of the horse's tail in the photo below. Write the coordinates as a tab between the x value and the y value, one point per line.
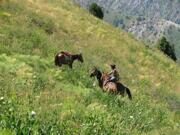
56	61
129	93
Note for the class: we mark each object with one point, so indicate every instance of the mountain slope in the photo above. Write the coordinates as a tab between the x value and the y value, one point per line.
147	20
146	8
37	97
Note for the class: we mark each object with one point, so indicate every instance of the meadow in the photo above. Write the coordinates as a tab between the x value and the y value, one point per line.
36	97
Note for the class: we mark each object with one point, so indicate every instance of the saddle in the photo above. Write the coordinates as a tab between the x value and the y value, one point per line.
67	56
65	53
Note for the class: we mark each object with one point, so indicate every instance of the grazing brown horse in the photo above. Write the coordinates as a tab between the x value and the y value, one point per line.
67	58
112	87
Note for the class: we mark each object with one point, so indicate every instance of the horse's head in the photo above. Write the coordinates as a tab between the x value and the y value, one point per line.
95	72
80	58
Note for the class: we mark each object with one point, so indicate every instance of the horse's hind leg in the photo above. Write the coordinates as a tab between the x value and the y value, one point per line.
123	93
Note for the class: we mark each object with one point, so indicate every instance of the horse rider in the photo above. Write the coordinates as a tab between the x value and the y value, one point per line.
114	75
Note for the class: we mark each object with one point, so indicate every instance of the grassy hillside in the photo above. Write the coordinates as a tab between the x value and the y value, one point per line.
143	19
38	98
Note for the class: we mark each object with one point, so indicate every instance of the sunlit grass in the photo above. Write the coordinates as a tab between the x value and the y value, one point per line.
39	98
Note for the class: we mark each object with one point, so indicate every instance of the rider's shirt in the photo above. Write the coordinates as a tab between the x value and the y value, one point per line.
114	74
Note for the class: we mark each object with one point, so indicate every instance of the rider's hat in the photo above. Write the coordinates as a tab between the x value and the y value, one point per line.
113	66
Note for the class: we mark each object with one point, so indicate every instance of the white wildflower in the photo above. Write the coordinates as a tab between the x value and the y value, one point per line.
2	98
33	113
131	117
94	84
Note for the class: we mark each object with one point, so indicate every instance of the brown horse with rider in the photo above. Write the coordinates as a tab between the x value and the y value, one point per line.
110	86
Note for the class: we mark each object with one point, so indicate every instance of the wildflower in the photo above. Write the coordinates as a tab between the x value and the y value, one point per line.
131	117
94	84
11	109
2	98
33	113
34	76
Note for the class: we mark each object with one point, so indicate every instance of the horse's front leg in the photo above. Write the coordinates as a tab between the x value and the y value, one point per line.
70	65
59	65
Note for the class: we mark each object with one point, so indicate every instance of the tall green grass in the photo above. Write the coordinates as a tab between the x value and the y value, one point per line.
38	98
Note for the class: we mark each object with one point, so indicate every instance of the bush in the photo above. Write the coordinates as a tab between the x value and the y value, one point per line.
96	10
167	48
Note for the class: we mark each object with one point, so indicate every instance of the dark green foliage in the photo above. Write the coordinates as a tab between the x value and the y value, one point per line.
167	48
96	10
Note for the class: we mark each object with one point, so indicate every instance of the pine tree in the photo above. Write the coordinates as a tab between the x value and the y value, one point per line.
96	10
167	48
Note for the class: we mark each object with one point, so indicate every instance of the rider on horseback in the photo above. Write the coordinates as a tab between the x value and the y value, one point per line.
114	75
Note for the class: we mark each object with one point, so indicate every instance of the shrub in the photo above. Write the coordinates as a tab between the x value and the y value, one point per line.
96	10
167	48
